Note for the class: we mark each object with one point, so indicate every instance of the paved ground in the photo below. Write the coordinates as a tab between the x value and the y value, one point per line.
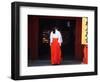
47	62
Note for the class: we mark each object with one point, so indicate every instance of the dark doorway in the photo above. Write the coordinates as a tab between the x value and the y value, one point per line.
67	29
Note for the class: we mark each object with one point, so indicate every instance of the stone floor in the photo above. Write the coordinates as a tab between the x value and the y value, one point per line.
47	62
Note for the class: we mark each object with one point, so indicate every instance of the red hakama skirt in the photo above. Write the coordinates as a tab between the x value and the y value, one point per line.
55	52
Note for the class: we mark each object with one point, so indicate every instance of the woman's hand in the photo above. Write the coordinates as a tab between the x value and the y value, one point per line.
60	44
50	44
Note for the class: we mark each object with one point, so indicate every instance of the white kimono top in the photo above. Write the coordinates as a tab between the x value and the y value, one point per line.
57	34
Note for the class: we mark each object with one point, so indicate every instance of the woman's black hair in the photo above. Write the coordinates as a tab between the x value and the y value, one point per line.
54	29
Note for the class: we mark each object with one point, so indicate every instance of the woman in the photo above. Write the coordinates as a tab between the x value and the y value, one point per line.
55	43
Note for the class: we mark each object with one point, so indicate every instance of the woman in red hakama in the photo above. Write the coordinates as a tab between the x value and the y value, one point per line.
55	43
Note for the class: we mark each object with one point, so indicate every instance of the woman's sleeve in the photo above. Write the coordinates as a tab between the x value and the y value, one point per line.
60	38
51	37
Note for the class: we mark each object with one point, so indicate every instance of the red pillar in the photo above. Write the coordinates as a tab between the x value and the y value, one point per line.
33	28
85	54
78	33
